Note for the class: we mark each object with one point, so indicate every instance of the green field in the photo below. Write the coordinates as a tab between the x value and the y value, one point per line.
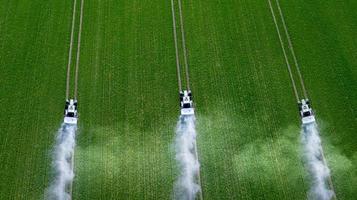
247	120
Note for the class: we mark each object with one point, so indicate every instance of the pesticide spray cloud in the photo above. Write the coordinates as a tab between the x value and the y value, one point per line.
186	187
318	170
63	163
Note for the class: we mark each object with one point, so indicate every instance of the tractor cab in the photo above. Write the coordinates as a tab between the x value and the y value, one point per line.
186	103
70	112
306	113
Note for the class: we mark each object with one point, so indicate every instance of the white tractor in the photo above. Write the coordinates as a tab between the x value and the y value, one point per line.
186	103
70	112
306	113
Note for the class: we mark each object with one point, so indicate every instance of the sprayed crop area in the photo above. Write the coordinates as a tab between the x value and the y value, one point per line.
128	143
249	138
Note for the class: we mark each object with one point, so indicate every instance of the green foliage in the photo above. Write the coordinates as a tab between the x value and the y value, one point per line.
249	140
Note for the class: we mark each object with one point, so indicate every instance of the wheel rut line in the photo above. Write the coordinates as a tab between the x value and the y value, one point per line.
70	49
284	52
292	50
78	50
176	46
184	46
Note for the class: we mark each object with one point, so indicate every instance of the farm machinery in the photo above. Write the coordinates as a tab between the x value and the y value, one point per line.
306	113
70	111
186	103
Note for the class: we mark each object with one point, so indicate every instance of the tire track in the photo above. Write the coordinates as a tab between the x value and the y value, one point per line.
199	173
292	51
78	50
176	46
329	178
70	49
284	52
72	167
184	46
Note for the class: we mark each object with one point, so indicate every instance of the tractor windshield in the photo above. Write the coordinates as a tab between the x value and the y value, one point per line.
306	114
186	105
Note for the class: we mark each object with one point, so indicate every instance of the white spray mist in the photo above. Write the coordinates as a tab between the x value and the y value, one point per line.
186	187
318	170
63	163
